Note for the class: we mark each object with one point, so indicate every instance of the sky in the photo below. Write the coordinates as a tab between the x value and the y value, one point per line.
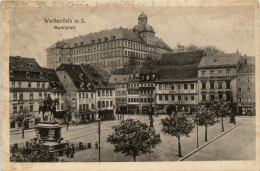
228	28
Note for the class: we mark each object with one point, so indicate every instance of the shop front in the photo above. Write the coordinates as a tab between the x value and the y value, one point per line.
133	109
106	114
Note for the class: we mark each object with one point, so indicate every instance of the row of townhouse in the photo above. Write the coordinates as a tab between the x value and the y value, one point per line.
81	91
194	79
29	85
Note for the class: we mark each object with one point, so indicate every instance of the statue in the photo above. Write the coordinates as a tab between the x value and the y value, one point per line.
48	106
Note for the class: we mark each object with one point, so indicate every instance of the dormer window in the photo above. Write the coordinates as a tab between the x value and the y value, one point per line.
29	65
81	76
11	73
27	75
89	86
99	40
105	39
113	37
41	75
92	41
75	44
81	43
82	85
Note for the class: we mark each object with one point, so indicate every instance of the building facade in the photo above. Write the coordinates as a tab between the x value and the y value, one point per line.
133	94
110	49
88	94
120	83
246	87
30	84
217	78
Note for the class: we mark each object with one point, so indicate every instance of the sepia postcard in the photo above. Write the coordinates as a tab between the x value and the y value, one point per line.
130	85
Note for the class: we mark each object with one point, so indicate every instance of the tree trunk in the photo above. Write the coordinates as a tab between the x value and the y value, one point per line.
206	133
222	124
179	147
217	118
134	158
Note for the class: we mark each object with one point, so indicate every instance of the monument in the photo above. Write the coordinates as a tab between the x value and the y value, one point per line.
48	131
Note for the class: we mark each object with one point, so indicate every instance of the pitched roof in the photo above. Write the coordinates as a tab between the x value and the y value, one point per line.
220	60
178	66
112	34
247	69
54	82
115	79
17	63
97	79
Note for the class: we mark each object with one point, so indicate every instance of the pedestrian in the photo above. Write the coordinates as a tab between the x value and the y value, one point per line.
72	151
68	151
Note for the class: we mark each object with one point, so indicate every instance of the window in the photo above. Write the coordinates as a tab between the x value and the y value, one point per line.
172	97
166	86
211	73
43	85
185	86
248	79
99	104
103	103
240	99
29	84
227	84
203	85
107	104
15	96
203	73
31	96
21	108
160	97
14	109
98	93
239	89
220	96
212	97
212	85
45	94
111	93
166	97
19	84
111	103
160	86
179	97
227	73
186	98
31	108
179	86
192	97
192	86
38	85
40	95
172	87
11	73
21	96
220	73
92	106
228	96
220	85
203	97
248	89
103	93
13	84
27	75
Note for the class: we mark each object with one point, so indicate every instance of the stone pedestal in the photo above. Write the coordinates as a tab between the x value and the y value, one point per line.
50	134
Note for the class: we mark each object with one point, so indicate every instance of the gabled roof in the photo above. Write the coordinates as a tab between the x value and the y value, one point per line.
247	69
54	82
17	63
112	34
78	77
119	79
97	79
220	60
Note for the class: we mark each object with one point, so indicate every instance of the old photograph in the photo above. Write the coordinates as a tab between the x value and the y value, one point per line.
130	81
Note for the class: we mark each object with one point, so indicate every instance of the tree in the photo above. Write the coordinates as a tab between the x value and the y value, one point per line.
205	116
221	109
22	117
177	125
133	138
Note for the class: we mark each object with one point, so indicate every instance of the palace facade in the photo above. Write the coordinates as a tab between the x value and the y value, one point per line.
110	49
